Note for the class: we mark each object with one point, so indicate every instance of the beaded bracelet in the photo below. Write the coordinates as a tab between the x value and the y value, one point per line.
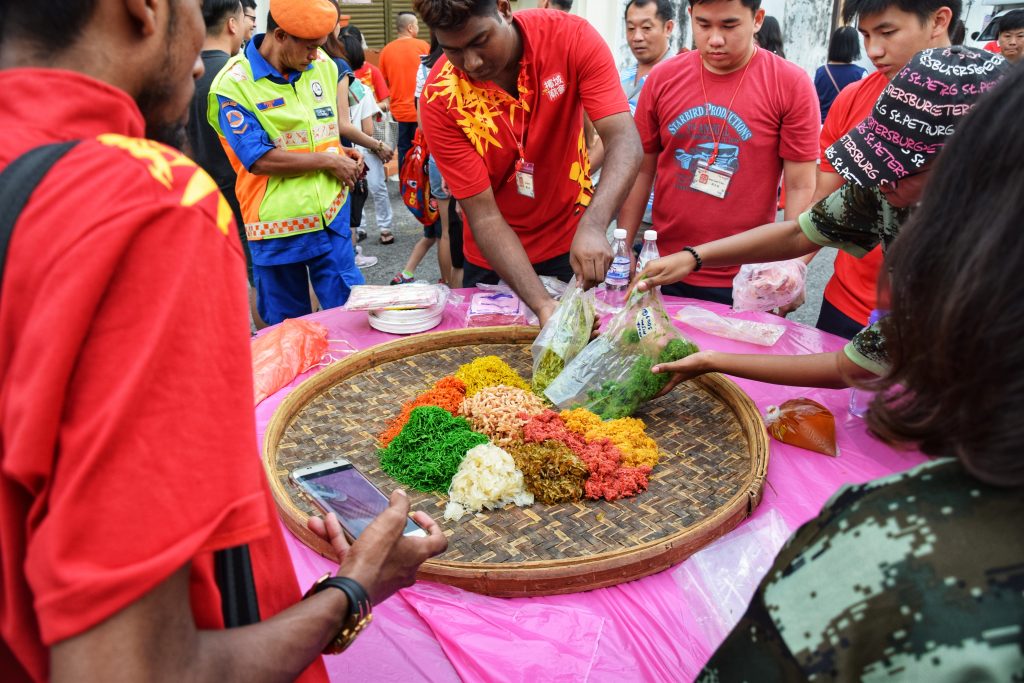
696	257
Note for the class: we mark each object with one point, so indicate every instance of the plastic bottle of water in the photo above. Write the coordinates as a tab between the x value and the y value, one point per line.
860	399
649	251
616	282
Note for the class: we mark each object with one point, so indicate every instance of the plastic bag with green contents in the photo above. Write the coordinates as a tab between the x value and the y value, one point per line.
612	376
564	335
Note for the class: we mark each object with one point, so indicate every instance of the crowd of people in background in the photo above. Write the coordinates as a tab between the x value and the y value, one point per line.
912	171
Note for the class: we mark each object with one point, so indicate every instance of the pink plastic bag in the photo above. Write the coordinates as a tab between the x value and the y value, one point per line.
281	354
766	286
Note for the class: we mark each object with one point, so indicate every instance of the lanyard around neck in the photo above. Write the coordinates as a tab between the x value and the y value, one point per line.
728	110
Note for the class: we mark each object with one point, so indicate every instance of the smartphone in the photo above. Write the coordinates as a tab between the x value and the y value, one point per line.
338	487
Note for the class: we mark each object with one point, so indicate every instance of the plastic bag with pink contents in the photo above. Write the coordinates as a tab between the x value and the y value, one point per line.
283	352
766	286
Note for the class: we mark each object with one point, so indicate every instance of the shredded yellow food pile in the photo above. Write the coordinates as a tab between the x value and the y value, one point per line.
487	478
489	371
579	420
500	412
628	435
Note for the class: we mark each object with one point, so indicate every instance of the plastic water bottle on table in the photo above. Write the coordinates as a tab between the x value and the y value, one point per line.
616	282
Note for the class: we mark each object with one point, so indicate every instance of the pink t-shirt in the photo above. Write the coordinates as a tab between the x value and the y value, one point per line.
774	116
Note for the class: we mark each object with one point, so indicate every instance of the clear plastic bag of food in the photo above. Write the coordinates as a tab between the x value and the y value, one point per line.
564	335
766	286
497	305
762	334
803	423
612	376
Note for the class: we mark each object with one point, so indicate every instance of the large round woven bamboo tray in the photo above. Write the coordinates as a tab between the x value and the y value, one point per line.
711	475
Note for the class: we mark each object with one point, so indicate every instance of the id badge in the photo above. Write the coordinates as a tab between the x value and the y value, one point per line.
713	181
524	178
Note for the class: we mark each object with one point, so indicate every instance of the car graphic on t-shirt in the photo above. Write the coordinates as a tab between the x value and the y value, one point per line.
728	156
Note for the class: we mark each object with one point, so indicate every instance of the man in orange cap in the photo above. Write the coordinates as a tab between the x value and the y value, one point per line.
275	109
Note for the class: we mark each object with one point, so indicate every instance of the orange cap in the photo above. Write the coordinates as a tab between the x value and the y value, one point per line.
306	19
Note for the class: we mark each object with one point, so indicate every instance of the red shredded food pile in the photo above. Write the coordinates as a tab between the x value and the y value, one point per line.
608	478
447	393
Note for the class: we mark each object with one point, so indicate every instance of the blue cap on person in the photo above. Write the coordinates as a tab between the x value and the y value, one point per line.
305	19
915	115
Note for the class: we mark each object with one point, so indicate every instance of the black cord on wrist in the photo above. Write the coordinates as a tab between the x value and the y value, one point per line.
696	257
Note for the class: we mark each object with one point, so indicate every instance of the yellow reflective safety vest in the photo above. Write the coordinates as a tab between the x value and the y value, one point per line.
297	117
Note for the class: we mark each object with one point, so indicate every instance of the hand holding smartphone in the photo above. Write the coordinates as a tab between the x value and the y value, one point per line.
337	486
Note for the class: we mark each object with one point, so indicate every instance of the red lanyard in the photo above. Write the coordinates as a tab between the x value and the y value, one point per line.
728	110
518	140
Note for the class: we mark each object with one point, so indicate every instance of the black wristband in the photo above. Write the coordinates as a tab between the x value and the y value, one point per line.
358	616
358	599
696	257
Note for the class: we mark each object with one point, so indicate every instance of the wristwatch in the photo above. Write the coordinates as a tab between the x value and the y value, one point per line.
358	616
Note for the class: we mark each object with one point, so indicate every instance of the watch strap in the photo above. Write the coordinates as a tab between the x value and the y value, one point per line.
359	613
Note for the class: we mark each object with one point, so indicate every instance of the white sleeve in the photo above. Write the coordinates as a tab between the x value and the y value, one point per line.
421	79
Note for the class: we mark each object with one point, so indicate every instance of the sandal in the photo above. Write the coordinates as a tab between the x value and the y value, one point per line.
387	238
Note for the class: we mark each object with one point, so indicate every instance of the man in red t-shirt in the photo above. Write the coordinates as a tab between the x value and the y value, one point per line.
719	125
399	62
503	115
127	439
892	35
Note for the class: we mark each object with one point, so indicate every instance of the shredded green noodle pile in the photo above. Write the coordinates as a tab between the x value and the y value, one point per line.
427	453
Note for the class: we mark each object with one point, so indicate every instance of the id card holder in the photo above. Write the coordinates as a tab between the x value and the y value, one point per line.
711	180
524	178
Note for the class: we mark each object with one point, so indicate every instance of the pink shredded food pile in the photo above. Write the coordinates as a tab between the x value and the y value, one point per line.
608	479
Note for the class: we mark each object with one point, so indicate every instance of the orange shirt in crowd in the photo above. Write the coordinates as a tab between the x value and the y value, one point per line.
853	286
399	61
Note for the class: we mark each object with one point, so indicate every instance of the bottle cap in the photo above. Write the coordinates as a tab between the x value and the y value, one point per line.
619	234
651	235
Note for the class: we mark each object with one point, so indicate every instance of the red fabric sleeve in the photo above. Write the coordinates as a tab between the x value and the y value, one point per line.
462	168
835	126
798	138
142	381
645	116
600	89
380	86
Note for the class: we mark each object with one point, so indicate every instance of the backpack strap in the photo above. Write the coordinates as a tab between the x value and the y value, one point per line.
232	566
233	571
17	183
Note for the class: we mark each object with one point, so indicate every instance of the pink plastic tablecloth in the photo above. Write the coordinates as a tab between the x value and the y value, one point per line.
661	628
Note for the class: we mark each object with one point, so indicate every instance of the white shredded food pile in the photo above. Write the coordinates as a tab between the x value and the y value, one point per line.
487	478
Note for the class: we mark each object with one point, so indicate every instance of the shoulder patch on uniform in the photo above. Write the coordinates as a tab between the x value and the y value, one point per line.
237	72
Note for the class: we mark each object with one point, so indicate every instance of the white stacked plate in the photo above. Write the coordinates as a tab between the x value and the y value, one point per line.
407	320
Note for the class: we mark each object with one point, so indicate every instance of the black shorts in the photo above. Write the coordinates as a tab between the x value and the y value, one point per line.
557	267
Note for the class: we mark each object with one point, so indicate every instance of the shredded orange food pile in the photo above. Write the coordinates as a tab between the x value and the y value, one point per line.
448	393
627	434
489	371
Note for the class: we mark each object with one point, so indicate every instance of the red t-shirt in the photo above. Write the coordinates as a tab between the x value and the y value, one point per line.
371	77
774	116
399	61
853	286
472	128
128	436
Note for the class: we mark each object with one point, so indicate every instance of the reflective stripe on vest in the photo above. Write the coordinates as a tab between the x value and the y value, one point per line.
293	226
297	117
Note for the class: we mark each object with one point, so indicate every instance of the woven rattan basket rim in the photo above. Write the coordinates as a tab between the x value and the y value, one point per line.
659	553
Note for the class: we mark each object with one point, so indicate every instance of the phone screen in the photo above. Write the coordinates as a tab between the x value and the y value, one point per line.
351	496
